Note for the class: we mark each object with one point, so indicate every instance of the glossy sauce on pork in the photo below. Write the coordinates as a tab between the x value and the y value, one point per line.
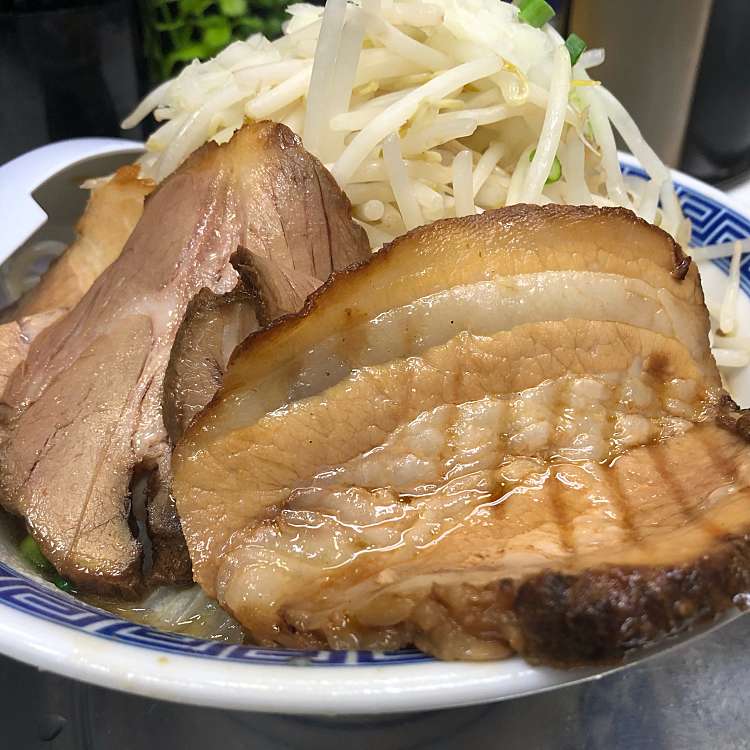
490	406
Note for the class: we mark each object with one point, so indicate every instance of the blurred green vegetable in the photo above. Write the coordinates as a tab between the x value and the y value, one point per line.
535	12
233	8
63	584
178	31
31	551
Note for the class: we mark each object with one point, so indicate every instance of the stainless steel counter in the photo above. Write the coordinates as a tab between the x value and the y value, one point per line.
693	697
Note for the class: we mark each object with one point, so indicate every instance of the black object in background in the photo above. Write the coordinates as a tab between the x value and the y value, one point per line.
717	146
67	69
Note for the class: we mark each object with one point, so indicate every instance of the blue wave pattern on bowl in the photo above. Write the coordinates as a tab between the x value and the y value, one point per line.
28	596
712	223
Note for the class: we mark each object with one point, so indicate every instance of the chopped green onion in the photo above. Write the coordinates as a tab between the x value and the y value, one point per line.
555	172
63	583
535	12
576	47
30	550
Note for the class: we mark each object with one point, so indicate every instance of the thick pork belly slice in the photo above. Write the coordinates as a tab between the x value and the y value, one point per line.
343	486
85	412
479	274
350	518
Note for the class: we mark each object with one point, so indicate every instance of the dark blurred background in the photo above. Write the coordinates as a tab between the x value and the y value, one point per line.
77	67
680	68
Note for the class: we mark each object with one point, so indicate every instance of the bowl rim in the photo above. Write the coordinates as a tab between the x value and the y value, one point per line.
296	688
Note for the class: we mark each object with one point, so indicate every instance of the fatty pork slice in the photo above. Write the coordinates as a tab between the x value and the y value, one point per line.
85	411
481	274
354	490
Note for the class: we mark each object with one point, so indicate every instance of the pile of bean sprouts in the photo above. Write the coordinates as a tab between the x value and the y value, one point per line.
426	109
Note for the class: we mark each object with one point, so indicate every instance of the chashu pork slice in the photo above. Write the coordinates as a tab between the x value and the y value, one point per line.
413	461
481	274
16	337
84	413
212	327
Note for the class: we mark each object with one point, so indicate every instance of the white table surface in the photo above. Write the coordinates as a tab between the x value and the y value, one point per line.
741	193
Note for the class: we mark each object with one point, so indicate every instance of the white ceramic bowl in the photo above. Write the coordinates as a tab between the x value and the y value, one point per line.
43	626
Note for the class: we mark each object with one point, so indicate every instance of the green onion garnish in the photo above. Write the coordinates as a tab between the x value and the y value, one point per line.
30	550
576	47
555	172
63	583
535	12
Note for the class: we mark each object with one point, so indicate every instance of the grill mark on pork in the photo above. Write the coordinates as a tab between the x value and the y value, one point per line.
494	574
675	491
559	510
678	494
498	497
619	494
553	485
722	468
725	467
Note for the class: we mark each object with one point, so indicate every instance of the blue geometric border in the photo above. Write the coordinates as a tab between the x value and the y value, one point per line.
25	595
713	222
